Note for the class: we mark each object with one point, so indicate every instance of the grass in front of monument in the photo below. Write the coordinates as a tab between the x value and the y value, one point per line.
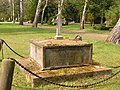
18	38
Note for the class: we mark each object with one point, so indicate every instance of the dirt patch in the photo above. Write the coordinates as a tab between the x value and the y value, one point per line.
82	33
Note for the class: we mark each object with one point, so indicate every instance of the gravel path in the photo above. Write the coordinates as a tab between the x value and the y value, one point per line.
82	33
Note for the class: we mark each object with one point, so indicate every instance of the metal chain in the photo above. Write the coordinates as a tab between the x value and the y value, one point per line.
11	49
58	84
63	85
2	53
1	48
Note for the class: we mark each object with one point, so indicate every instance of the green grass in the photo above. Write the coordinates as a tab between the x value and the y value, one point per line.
76	27
18	38
72	27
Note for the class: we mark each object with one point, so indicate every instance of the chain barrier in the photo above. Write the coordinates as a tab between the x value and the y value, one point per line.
1	48
63	85
11	49
58	84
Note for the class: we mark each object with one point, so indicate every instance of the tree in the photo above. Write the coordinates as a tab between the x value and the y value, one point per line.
51	11
21	12
35	22
83	15
4	9
68	8
104	5
44	11
114	36
13	10
30	8
112	14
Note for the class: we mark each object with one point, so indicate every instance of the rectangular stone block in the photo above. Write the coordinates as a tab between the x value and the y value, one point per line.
60	53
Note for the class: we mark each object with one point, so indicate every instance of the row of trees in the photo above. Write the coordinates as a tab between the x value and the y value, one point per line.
11	10
93	11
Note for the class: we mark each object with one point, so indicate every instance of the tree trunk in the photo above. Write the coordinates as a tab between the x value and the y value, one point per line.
102	16
91	23
114	36
44	11
35	22
21	12
101	22
13	10
83	16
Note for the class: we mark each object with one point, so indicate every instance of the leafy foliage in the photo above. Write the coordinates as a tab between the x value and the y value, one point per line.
4	8
30	8
72	10
113	13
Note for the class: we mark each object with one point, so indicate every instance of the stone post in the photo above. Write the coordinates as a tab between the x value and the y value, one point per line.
7	70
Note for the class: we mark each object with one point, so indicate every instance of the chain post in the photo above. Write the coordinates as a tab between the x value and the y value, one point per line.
7	70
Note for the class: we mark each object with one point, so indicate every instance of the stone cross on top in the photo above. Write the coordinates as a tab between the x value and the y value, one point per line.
59	21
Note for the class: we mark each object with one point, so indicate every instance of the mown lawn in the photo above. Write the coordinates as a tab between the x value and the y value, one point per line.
18	38
76	26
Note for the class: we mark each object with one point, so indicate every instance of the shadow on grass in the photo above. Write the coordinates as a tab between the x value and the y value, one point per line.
18	29
0	60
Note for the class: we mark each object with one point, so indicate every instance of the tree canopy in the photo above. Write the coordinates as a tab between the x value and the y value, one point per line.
97	11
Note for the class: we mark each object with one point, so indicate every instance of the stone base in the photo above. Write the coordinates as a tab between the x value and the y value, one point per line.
61	74
58	37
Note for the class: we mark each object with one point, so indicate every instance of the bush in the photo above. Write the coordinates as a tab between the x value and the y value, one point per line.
102	27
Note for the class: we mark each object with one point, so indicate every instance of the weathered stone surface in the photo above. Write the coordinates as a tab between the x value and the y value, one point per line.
35	81
57	53
58	75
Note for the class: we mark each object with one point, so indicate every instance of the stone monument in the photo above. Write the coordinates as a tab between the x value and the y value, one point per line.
60	53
